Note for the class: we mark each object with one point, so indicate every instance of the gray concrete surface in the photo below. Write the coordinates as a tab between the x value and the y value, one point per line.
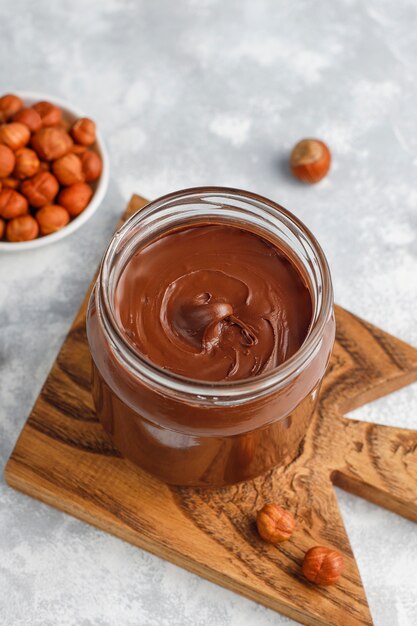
199	92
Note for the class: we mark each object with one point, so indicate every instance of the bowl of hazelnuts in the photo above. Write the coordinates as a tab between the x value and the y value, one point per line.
53	170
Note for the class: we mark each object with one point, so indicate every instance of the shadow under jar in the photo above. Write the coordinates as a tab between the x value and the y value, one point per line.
191	431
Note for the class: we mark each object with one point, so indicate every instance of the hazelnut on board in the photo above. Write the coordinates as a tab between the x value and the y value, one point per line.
22	228
310	160
274	523
322	565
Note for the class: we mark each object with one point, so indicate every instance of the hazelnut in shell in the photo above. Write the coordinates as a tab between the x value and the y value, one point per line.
27	163
29	117
14	135
9	105
2	227
49	113
322	565
78	150
91	165
7	161
10	183
68	169
75	198
22	228
84	131
310	160
51	218
41	189
274	523
12	204
51	143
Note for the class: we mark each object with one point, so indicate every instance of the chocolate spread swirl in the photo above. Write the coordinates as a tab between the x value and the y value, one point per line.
213	302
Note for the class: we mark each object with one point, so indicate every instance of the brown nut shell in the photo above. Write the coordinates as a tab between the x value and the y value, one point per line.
29	117
9	105
51	218
27	163
12	204
14	135
323	566
310	160
51	143
22	228
68	169
84	131
274	523
10	183
91	165
49	113
75	198
7	161
2	227
41	189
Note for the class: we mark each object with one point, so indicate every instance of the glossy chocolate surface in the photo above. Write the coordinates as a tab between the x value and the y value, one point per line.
213	302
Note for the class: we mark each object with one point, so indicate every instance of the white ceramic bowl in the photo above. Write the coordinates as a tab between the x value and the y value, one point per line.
99	187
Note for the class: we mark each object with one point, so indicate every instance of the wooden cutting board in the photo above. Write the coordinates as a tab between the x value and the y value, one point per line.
64	458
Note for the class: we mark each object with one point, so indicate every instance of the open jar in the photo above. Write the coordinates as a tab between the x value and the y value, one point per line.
192	432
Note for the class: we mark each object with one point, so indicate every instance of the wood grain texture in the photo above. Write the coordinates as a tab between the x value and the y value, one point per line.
64	458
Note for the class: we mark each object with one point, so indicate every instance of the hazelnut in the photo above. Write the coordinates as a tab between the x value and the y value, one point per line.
2	227
49	113
27	163
41	189
51	218
12	204
22	228
10	183
92	165
84	131
30	118
75	198
310	160
68	169
14	135
9	104
323	566
7	160
51	143
78	150
274	523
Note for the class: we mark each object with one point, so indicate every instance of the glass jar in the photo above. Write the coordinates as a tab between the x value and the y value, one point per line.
191	432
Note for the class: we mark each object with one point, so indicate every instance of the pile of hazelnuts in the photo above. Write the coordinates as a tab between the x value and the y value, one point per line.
46	167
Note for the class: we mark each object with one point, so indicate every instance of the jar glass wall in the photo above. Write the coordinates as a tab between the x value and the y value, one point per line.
192	432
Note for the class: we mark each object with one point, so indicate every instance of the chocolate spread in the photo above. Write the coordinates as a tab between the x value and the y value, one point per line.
213	302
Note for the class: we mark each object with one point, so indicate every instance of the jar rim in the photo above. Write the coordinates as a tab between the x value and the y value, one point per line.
217	391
